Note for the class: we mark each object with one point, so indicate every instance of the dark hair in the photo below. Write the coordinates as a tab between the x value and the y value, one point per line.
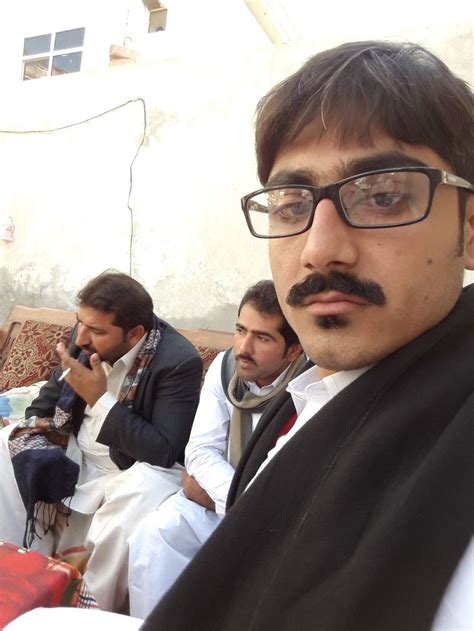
263	297
122	295
363	87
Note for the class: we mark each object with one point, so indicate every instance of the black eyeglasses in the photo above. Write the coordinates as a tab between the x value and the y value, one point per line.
385	198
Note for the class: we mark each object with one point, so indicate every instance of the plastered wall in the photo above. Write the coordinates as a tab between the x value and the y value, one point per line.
161	202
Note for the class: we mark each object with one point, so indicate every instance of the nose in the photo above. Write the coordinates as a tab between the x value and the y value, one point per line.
83	337
245	345
330	244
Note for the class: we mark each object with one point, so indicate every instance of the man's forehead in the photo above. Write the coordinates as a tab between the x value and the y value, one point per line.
95	318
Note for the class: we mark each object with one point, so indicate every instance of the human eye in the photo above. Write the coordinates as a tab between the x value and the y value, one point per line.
289	206
379	194
98	332
381	198
387	200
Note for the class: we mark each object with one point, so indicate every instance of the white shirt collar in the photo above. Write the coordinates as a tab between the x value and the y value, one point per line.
305	386
260	392
310	393
127	360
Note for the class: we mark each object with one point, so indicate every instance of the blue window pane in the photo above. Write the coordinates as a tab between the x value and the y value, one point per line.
69	39
37	44
63	64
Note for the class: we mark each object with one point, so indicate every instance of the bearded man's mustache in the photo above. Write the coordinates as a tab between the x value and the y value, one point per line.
246	357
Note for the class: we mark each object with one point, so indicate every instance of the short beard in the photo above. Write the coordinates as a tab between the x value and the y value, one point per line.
331	322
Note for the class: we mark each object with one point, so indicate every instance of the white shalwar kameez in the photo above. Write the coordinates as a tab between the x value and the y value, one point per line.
165	542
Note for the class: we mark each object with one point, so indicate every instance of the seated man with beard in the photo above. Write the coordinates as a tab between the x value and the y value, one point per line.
103	446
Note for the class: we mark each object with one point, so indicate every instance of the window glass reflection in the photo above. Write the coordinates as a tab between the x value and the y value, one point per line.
63	64
35	68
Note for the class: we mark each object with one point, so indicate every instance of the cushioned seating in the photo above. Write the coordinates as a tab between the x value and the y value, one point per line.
28	344
29	337
28	355
29	579
33	355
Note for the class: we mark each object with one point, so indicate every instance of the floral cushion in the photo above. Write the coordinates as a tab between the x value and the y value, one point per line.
207	355
33	354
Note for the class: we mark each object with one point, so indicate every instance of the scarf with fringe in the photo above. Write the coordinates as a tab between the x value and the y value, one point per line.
44	474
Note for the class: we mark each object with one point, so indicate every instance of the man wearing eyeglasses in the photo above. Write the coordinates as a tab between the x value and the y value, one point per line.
351	509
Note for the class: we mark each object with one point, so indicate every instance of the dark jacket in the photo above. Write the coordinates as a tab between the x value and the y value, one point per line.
360	520
156	428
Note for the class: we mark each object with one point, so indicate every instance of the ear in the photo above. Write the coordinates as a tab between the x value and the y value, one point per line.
469	234
294	350
136	334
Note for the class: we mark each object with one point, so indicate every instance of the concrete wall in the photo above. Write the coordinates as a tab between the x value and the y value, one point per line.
184	235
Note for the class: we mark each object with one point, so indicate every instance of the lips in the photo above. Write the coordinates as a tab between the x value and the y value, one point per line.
333	303
335	287
245	362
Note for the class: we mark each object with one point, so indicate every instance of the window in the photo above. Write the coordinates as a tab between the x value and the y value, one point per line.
52	54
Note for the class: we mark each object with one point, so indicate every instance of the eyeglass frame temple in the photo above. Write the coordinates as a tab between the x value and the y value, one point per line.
455	180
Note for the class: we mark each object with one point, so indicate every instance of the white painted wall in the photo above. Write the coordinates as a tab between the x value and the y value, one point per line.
106	22
67	190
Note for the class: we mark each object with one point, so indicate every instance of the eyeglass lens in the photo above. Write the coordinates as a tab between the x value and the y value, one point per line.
376	199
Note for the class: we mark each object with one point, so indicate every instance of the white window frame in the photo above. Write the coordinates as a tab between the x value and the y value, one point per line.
51	53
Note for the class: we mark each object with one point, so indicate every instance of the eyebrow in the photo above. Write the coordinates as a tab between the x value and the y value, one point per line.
385	160
92	328
354	166
298	176
255	331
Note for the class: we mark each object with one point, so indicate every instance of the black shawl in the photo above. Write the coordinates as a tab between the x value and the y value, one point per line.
359	522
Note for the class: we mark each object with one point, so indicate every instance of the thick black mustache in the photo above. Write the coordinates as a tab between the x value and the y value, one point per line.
337	281
245	356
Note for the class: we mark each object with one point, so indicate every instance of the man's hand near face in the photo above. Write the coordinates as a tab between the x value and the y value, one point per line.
89	383
195	492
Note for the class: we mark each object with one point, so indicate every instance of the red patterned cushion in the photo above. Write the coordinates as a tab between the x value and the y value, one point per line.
33	354
207	356
29	579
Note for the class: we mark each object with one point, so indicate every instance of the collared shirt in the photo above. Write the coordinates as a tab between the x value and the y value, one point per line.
205	455
96	466
115	377
310	393
95	456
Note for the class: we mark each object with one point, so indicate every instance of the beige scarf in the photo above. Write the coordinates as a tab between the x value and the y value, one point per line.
245	404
